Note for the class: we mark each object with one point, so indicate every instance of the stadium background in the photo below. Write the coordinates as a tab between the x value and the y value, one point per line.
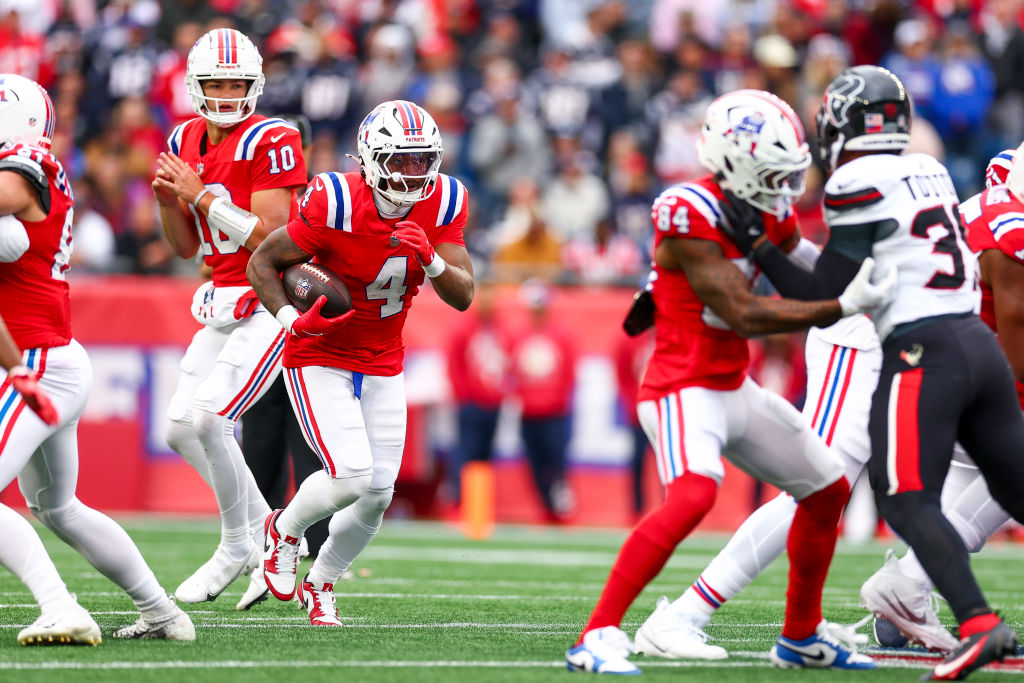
565	118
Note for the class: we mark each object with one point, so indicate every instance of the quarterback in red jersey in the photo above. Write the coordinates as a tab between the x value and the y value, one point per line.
696	402
53	377
383	230
226	182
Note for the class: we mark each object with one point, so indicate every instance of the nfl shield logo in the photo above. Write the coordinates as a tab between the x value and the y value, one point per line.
199	168
302	288
873	123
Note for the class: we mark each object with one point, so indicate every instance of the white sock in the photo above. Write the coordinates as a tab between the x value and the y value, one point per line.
229	476
22	552
351	530
319	497
759	540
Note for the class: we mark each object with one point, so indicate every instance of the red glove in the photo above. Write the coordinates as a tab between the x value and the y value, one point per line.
33	395
411	235
312	324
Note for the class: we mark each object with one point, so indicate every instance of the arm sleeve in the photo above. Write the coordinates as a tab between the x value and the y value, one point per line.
829	278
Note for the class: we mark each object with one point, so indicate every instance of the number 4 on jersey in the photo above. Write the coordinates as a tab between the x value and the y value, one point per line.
389	285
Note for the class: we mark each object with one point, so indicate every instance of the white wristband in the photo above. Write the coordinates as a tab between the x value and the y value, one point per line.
287	315
435	267
234	222
202	193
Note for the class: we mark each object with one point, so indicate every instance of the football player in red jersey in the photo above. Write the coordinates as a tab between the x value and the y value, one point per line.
696	401
227	181
40	448
384	230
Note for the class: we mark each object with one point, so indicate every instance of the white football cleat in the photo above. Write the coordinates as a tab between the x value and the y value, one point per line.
69	625
212	578
908	604
318	600
672	634
177	625
256	592
280	560
603	651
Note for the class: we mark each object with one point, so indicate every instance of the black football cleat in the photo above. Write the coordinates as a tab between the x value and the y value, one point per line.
975	652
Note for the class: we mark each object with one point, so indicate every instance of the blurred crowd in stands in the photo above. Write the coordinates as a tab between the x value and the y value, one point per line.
565	118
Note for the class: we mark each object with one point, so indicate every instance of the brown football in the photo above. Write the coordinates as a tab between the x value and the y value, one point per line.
304	283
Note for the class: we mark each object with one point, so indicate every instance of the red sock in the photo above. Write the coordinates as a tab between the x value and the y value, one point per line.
811	543
982	622
687	499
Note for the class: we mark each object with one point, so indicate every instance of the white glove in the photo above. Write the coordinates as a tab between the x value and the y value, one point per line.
861	295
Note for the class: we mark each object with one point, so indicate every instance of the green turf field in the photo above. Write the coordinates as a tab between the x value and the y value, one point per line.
434	606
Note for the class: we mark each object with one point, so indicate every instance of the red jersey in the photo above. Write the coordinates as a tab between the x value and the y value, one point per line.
994	219
258	154
339	225
34	298
693	346
544	371
478	364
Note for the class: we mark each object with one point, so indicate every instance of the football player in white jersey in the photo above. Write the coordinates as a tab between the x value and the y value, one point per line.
944	377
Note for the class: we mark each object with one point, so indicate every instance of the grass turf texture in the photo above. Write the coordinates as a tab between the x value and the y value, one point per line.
436	606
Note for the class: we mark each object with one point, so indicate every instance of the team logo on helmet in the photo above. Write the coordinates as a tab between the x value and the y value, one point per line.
841	96
302	288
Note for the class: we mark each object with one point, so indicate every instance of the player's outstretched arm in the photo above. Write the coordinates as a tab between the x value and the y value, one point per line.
274	254
724	288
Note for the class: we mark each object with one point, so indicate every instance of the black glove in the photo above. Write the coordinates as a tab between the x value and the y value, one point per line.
641	313
741	221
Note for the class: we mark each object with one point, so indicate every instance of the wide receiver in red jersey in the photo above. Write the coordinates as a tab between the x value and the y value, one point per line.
696	401
40	448
383	230
226	183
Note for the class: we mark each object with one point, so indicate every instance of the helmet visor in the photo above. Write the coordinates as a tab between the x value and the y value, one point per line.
415	168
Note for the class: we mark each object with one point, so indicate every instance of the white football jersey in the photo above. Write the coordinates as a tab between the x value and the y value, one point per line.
902	210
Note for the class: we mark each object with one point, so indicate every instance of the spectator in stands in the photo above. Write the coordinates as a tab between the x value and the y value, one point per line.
388	68
141	247
604	258
965	88
529	250
94	250
544	375
171	101
1002	42
677	113
505	145
576	199
915	64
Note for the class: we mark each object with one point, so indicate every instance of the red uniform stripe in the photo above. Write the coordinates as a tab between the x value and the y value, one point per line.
842	396
317	439
711	590
10	423
254	375
846	201
908	442
824	387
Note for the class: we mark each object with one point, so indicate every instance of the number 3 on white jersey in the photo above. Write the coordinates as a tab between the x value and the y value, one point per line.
390	286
